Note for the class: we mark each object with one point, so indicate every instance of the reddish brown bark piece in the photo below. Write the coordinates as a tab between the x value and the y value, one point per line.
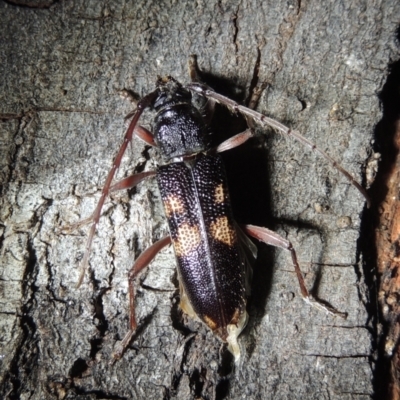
388	257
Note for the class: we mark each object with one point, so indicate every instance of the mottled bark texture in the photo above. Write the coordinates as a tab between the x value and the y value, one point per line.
63	69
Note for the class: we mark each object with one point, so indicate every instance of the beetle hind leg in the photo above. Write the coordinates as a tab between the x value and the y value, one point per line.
272	238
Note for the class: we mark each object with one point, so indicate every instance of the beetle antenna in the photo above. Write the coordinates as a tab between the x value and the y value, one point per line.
142	105
266	121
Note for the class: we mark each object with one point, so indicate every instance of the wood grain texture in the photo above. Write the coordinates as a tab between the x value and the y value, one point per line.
62	119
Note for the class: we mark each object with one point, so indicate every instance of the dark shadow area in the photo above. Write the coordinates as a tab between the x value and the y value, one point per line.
222	389
247	172
32	4
27	351
384	144
79	367
102	324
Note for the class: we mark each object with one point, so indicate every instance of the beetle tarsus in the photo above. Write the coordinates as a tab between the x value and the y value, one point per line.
121	347
324	307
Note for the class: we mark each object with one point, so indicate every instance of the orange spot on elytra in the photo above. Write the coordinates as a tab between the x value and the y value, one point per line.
187	239
219	195
222	231
173	205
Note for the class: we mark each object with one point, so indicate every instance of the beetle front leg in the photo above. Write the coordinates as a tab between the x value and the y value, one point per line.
235	141
126	183
142	262
208	108
239	139
145	135
243	137
272	238
131	181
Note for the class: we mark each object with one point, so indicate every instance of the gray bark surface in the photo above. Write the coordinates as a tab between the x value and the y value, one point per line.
63	69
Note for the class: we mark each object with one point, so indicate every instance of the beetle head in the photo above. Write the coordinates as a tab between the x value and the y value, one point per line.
179	128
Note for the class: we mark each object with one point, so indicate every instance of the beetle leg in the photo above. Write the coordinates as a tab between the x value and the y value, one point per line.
143	261
265	121
145	135
126	183
143	103
194	70
255	96
235	141
131	181
195	76
272	238
242	137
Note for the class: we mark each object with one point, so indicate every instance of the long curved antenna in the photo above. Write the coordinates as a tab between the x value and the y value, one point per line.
142	105
265	121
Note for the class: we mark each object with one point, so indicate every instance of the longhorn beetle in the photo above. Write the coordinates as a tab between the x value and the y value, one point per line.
208	244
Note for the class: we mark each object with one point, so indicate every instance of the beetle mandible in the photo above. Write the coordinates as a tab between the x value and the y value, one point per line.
208	244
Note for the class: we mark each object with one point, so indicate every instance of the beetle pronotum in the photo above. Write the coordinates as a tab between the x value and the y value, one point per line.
206	240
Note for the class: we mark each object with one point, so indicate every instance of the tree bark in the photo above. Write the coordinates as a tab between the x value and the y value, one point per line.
64	68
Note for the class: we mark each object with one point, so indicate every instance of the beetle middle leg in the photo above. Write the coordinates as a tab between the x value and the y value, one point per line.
142	262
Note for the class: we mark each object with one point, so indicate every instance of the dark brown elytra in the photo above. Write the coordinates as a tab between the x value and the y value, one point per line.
167	97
